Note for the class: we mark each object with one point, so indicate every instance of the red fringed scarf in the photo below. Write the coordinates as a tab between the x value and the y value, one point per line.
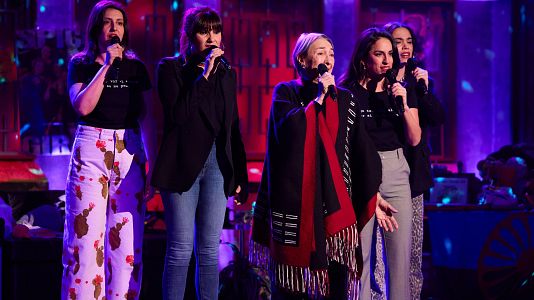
291	264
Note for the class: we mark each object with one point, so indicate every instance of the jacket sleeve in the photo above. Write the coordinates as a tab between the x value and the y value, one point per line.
179	95
238	150
431	112
287	114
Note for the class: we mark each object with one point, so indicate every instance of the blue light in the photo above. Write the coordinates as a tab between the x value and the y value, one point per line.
177	53
60	61
439	179
490	55
519	160
466	86
174	5
42	8
457	17
511	192
3	80
24	128
446	200
448	246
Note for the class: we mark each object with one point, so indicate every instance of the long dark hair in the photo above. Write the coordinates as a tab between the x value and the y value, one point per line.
196	20
391	26
356	71
95	23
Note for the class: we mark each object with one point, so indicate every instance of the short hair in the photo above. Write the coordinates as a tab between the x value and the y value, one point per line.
303	44
368	38
391	26
195	20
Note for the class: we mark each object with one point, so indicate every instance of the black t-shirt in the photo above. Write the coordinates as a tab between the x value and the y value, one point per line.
381	116
121	101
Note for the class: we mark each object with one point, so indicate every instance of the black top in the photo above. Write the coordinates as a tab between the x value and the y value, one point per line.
214	108
121	100
197	113
381	117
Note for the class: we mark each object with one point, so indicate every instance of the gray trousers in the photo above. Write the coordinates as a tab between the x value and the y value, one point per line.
395	189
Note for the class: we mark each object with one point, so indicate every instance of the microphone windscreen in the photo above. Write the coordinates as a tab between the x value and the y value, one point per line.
114	40
322	69
390	76
207	51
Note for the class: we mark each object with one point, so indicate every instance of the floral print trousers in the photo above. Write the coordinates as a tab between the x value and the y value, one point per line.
104	215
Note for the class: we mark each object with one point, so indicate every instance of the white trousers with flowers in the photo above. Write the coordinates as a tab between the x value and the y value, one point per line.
104	215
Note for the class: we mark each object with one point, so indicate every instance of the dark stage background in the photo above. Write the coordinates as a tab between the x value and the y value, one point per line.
479	53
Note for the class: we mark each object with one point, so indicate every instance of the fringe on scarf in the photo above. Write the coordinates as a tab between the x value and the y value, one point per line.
342	248
352	284
314	283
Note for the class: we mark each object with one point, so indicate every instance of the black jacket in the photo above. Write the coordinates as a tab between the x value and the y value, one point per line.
431	114
281	180
189	131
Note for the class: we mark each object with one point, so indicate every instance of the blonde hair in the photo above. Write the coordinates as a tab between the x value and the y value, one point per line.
302	46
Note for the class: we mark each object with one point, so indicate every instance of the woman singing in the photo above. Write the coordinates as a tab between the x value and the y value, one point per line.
106	184
390	116
319	168
202	158
431	113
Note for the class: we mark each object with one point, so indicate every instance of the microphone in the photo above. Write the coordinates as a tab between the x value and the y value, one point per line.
398	99
117	61
331	89
115	40
411	65
221	58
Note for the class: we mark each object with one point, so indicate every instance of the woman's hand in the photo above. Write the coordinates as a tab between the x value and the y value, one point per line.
419	73
240	195
149	192
112	52
398	90
149	189
384	214
324	81
236	197
209	63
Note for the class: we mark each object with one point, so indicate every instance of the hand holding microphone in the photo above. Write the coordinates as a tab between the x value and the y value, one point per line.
397	90
421	75
214	54
327	82
114	51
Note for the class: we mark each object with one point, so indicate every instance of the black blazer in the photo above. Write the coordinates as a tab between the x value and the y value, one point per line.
431	113
188	131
